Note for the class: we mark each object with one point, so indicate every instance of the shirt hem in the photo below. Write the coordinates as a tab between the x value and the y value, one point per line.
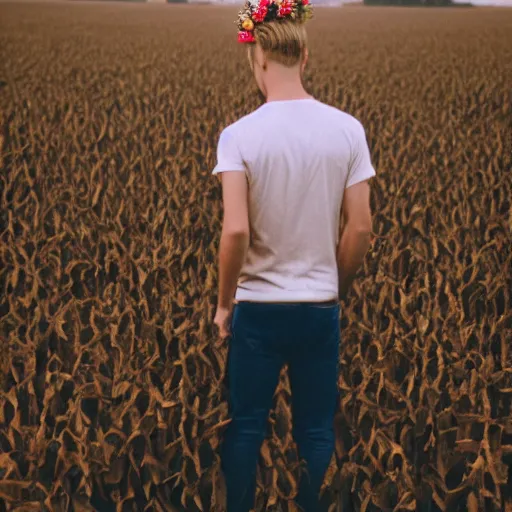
285	296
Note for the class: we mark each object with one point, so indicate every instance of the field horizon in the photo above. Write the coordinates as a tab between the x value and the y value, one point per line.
196	4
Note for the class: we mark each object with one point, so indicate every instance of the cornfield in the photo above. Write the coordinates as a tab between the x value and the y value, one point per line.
113	395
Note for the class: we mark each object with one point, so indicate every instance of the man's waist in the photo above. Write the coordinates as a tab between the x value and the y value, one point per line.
247	293
330	302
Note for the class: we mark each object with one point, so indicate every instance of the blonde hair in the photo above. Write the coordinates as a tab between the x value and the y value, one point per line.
283	41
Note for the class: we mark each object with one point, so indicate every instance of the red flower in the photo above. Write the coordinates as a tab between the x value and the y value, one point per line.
285	9
305	2
260	13
245	36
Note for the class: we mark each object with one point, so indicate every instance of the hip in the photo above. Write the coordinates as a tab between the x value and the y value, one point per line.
286	322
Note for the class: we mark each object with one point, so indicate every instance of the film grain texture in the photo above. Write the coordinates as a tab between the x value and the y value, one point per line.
112	388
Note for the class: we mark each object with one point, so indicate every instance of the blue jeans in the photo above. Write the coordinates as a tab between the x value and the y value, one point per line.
265	336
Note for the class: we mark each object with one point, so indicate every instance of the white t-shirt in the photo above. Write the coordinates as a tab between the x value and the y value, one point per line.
298	156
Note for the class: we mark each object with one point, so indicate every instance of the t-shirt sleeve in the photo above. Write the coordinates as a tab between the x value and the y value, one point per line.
229	157
361	167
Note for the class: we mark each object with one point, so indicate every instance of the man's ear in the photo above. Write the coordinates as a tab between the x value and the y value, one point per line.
262	58
264	62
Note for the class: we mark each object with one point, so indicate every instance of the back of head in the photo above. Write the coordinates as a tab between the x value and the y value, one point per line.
283	41
277	26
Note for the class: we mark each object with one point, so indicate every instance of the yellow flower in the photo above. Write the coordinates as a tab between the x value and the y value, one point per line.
248	24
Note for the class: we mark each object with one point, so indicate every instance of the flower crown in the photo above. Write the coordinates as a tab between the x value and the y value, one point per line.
270	10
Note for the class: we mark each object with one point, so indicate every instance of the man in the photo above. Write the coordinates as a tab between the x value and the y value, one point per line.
294	174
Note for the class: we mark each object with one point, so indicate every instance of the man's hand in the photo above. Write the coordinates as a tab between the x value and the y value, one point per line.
223	320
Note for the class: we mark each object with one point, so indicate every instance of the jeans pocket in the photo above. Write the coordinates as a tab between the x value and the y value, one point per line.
248	327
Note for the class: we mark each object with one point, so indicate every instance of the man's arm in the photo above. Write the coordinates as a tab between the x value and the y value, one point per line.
234	240
355	235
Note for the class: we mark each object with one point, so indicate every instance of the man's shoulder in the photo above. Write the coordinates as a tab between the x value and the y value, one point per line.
340	115
333	115
243	122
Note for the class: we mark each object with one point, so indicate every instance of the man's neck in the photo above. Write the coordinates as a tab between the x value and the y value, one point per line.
287	95
285	86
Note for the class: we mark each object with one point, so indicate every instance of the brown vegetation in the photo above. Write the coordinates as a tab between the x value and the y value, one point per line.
112	395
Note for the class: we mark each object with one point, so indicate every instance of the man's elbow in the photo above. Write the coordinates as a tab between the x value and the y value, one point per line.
236	232
362	229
